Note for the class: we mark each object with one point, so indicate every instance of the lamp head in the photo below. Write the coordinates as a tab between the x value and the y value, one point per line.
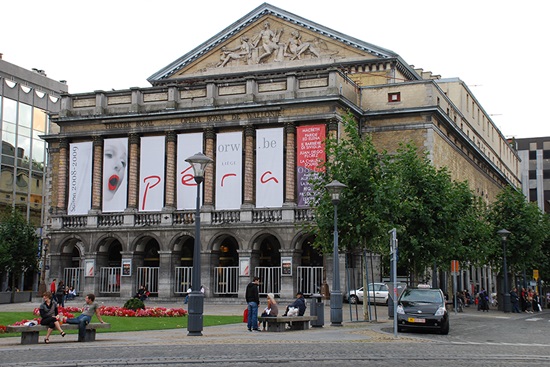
199	162
334	189
503	233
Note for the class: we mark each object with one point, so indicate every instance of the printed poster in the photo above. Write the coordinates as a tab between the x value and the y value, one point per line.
115	171
269	168
151	174
80	178
310	156
188	145
229	148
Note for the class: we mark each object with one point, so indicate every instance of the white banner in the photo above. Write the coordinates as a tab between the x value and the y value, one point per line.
269	168
80	178
151	174
115	170
188	145
229	148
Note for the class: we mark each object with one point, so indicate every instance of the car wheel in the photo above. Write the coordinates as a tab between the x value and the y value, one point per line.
400	329
353	299
445	329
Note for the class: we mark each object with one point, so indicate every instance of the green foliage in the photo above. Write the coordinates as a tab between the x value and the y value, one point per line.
527	244
365	203
134	304
437	219
18	244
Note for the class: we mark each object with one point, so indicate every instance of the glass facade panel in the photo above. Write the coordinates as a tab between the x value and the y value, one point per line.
39	120
25	115
38	153
9	111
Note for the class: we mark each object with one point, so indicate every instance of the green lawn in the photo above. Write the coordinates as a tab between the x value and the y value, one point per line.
119	324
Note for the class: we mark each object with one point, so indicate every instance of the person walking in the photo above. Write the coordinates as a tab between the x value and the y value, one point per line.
252	296
514	298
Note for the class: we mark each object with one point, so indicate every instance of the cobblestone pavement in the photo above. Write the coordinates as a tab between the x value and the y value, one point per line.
355	343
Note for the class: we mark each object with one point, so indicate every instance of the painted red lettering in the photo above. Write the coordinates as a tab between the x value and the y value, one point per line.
263	178
149	185
188	179
227	175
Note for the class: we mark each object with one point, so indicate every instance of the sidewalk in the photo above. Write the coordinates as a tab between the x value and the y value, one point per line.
225	334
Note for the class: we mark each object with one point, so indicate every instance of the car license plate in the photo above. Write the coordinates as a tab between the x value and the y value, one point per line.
420	321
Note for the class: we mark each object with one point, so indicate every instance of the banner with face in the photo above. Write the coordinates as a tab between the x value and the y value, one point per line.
151	173
80	178
115	170
269	168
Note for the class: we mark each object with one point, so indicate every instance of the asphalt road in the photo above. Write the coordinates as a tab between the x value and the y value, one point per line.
476	339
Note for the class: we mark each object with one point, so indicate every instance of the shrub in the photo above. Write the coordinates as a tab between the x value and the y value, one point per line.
134	304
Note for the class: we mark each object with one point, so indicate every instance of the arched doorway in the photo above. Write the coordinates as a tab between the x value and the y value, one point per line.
183	264
311	275
269	268
226	270
148	266
109	264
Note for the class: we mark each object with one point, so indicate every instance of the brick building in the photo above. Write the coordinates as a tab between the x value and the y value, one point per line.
258	98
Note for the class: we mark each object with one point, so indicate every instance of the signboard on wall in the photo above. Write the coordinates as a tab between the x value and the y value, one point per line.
286	266
310	155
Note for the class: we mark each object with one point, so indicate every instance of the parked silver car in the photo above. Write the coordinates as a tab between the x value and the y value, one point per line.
378	293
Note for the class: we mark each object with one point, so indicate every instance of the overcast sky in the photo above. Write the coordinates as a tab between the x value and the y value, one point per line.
497	47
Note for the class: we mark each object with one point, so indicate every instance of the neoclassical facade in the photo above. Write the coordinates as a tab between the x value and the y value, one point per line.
258	98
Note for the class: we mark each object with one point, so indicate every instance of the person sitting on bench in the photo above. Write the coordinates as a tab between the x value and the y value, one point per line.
299	303
88	310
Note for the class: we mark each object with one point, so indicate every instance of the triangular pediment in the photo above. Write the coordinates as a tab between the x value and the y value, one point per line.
269	38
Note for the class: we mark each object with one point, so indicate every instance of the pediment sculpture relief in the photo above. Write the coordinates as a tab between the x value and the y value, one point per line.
270	46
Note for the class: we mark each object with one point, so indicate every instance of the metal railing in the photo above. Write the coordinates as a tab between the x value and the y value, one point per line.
149	277
226	280
309	279
182	279
109	280
270	279
73	277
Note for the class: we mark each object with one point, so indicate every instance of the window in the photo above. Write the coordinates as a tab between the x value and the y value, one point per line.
394	97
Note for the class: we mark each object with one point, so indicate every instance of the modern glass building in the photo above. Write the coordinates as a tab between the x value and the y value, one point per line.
26	99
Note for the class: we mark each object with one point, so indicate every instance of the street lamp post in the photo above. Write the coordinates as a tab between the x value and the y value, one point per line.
506	306
196	298
335	188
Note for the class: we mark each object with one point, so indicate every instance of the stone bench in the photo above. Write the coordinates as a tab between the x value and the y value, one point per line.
279	323
29	334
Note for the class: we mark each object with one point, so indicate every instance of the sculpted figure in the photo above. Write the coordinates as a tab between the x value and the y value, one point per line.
235	53
297	47
269	41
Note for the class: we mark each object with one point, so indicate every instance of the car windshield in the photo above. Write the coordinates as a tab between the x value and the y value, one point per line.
421	295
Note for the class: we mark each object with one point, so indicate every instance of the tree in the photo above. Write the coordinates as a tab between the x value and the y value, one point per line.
366	201
528	227
18	245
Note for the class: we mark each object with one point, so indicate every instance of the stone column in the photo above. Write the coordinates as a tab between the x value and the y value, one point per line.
249	165
170	189
133	172
166	275
209	182
290	179
288	282
63	174
97	173
127	283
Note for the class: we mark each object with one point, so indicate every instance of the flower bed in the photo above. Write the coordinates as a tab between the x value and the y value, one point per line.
111	311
